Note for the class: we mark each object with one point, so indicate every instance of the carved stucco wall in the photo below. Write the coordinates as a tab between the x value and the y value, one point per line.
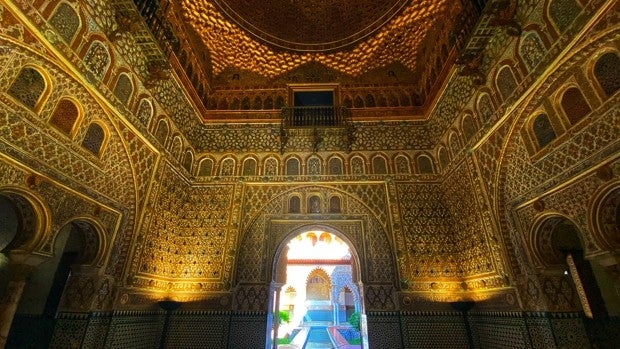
358	223
71	182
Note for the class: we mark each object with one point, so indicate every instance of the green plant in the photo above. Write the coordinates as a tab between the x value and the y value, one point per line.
355	341
284	340
284	317
354	321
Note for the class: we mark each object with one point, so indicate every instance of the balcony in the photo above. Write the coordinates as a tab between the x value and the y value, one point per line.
315	116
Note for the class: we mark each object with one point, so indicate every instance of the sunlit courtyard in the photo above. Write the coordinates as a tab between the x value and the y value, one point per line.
319	303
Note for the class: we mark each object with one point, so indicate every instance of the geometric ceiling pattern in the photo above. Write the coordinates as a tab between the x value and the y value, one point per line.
353	38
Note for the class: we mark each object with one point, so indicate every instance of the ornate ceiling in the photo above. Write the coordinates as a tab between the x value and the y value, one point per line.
310	25
273	37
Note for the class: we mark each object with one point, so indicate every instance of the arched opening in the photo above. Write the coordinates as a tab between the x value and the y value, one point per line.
606	233
425	164
18	222
65	21
574	105
20	228
543	130
316	297
65	116
607	73
9	221
94	139
77	244
249	167
560	249
29	87
379	165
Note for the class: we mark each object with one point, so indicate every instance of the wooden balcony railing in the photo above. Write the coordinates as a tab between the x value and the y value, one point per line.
293	117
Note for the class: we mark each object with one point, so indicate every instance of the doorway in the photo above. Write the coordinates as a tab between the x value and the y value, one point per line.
316	300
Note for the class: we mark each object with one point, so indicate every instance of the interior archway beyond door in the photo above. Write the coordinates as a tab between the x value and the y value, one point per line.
318	269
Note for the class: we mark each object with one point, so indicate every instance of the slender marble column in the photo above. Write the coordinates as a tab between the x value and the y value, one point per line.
276	313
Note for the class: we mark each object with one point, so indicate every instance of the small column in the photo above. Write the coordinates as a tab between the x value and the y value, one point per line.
586	285
11	298
276	314
336	313
363	318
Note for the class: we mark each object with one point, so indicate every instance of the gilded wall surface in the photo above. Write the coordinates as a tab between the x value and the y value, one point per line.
455	203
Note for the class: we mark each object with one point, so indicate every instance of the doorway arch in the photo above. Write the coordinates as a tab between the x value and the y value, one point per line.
320	286
267	224
558	246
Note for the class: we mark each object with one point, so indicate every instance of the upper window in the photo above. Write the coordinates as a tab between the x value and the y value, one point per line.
66	22
607	73
65	116
249	167
123	89
28	88
93	140
206	167
506	83
379	165
334	166
425	164
312	105
574	105
292	167
543	130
